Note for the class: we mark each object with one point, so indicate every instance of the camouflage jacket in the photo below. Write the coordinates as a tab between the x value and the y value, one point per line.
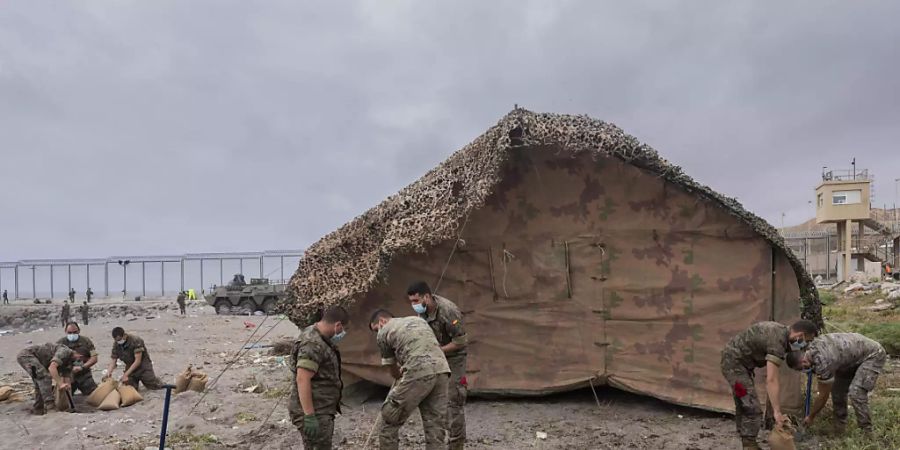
51	352
126	351
410	343
838	352
763	341
446	322
83	345
316	353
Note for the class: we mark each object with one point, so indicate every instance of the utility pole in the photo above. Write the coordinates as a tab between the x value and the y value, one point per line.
124	265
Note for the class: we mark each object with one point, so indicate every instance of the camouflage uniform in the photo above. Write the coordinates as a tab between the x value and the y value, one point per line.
64	314
36	360
410	343
89	293
180	301
852	362
84	314
144	373
316	353
83	380
446	322
746	351
72	295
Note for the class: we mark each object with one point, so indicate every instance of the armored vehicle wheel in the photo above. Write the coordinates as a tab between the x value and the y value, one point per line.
247	306
223	307
269	306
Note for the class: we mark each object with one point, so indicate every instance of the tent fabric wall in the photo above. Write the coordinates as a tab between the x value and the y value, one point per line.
591	270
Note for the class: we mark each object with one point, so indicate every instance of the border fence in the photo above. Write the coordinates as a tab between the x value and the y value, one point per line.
156	266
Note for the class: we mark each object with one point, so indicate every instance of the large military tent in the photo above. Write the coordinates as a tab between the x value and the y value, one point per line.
578	255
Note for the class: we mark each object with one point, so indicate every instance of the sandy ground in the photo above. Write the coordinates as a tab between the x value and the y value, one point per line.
230	417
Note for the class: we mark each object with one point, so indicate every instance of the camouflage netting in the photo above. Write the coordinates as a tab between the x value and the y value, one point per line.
349	261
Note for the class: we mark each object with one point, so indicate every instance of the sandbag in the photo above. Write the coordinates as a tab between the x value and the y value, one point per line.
198	381
61	399
182	380
782	437
129	395
5	392
111	401
99	394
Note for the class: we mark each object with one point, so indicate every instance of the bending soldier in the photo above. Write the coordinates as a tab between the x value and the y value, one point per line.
47	364
138	366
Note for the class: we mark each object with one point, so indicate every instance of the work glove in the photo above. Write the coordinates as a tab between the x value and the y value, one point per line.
311	426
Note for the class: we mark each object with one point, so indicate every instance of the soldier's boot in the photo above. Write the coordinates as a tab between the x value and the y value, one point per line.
749	444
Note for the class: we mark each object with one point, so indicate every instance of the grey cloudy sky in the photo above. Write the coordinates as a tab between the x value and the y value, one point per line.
135	127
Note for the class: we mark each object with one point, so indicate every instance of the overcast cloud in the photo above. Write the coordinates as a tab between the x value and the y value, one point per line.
136	127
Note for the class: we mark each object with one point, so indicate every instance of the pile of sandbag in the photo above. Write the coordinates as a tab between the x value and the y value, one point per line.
8	394
109	395
191	380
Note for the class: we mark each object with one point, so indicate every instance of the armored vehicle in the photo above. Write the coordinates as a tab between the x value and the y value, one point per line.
238	297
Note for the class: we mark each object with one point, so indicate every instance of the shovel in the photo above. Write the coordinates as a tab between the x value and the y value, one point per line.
71	401
800	434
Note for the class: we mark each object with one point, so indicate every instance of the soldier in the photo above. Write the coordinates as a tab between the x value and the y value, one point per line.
445	320
72	295
764	344
844	363
82	379
89	293
47	364
5	298
409	347
64	314
180	301
138	366
84	312
316	391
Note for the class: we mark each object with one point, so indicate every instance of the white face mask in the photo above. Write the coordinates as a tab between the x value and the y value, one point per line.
122	342
72	337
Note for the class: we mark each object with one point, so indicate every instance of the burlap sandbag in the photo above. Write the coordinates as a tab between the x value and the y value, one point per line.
61	399
99	394
111	401
5	392
782	437
198	381
129	395
182	380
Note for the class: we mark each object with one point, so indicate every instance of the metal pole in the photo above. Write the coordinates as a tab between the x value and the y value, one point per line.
827	256
182	274
51	280
221	278
261	271
124	280
143	279
70	279
33	282
202	286
165	418
106	277
162	271
282	268
16	274
241	266
87	272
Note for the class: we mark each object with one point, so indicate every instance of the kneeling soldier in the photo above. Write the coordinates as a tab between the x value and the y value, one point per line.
47	364
138	366
82	379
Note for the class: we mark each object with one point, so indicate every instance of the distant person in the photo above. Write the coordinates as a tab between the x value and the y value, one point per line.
84	313
316	390
847	365
180	301
409	347
89	293
64	314
5	297
82	379
191	295
47	364
138	366
72	295
764	344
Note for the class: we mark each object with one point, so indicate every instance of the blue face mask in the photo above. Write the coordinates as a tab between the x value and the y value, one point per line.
798	345
72	337
338	337
419	308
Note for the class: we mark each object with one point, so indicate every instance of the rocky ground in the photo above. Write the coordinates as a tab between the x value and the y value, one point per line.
246	408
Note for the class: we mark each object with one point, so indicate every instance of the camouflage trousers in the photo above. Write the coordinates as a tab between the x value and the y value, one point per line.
429	395
457	391
323	440
43	383
748	413
84	318
84	382
856	383
145	375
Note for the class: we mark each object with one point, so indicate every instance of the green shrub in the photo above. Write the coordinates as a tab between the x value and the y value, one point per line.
827	297
888	334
